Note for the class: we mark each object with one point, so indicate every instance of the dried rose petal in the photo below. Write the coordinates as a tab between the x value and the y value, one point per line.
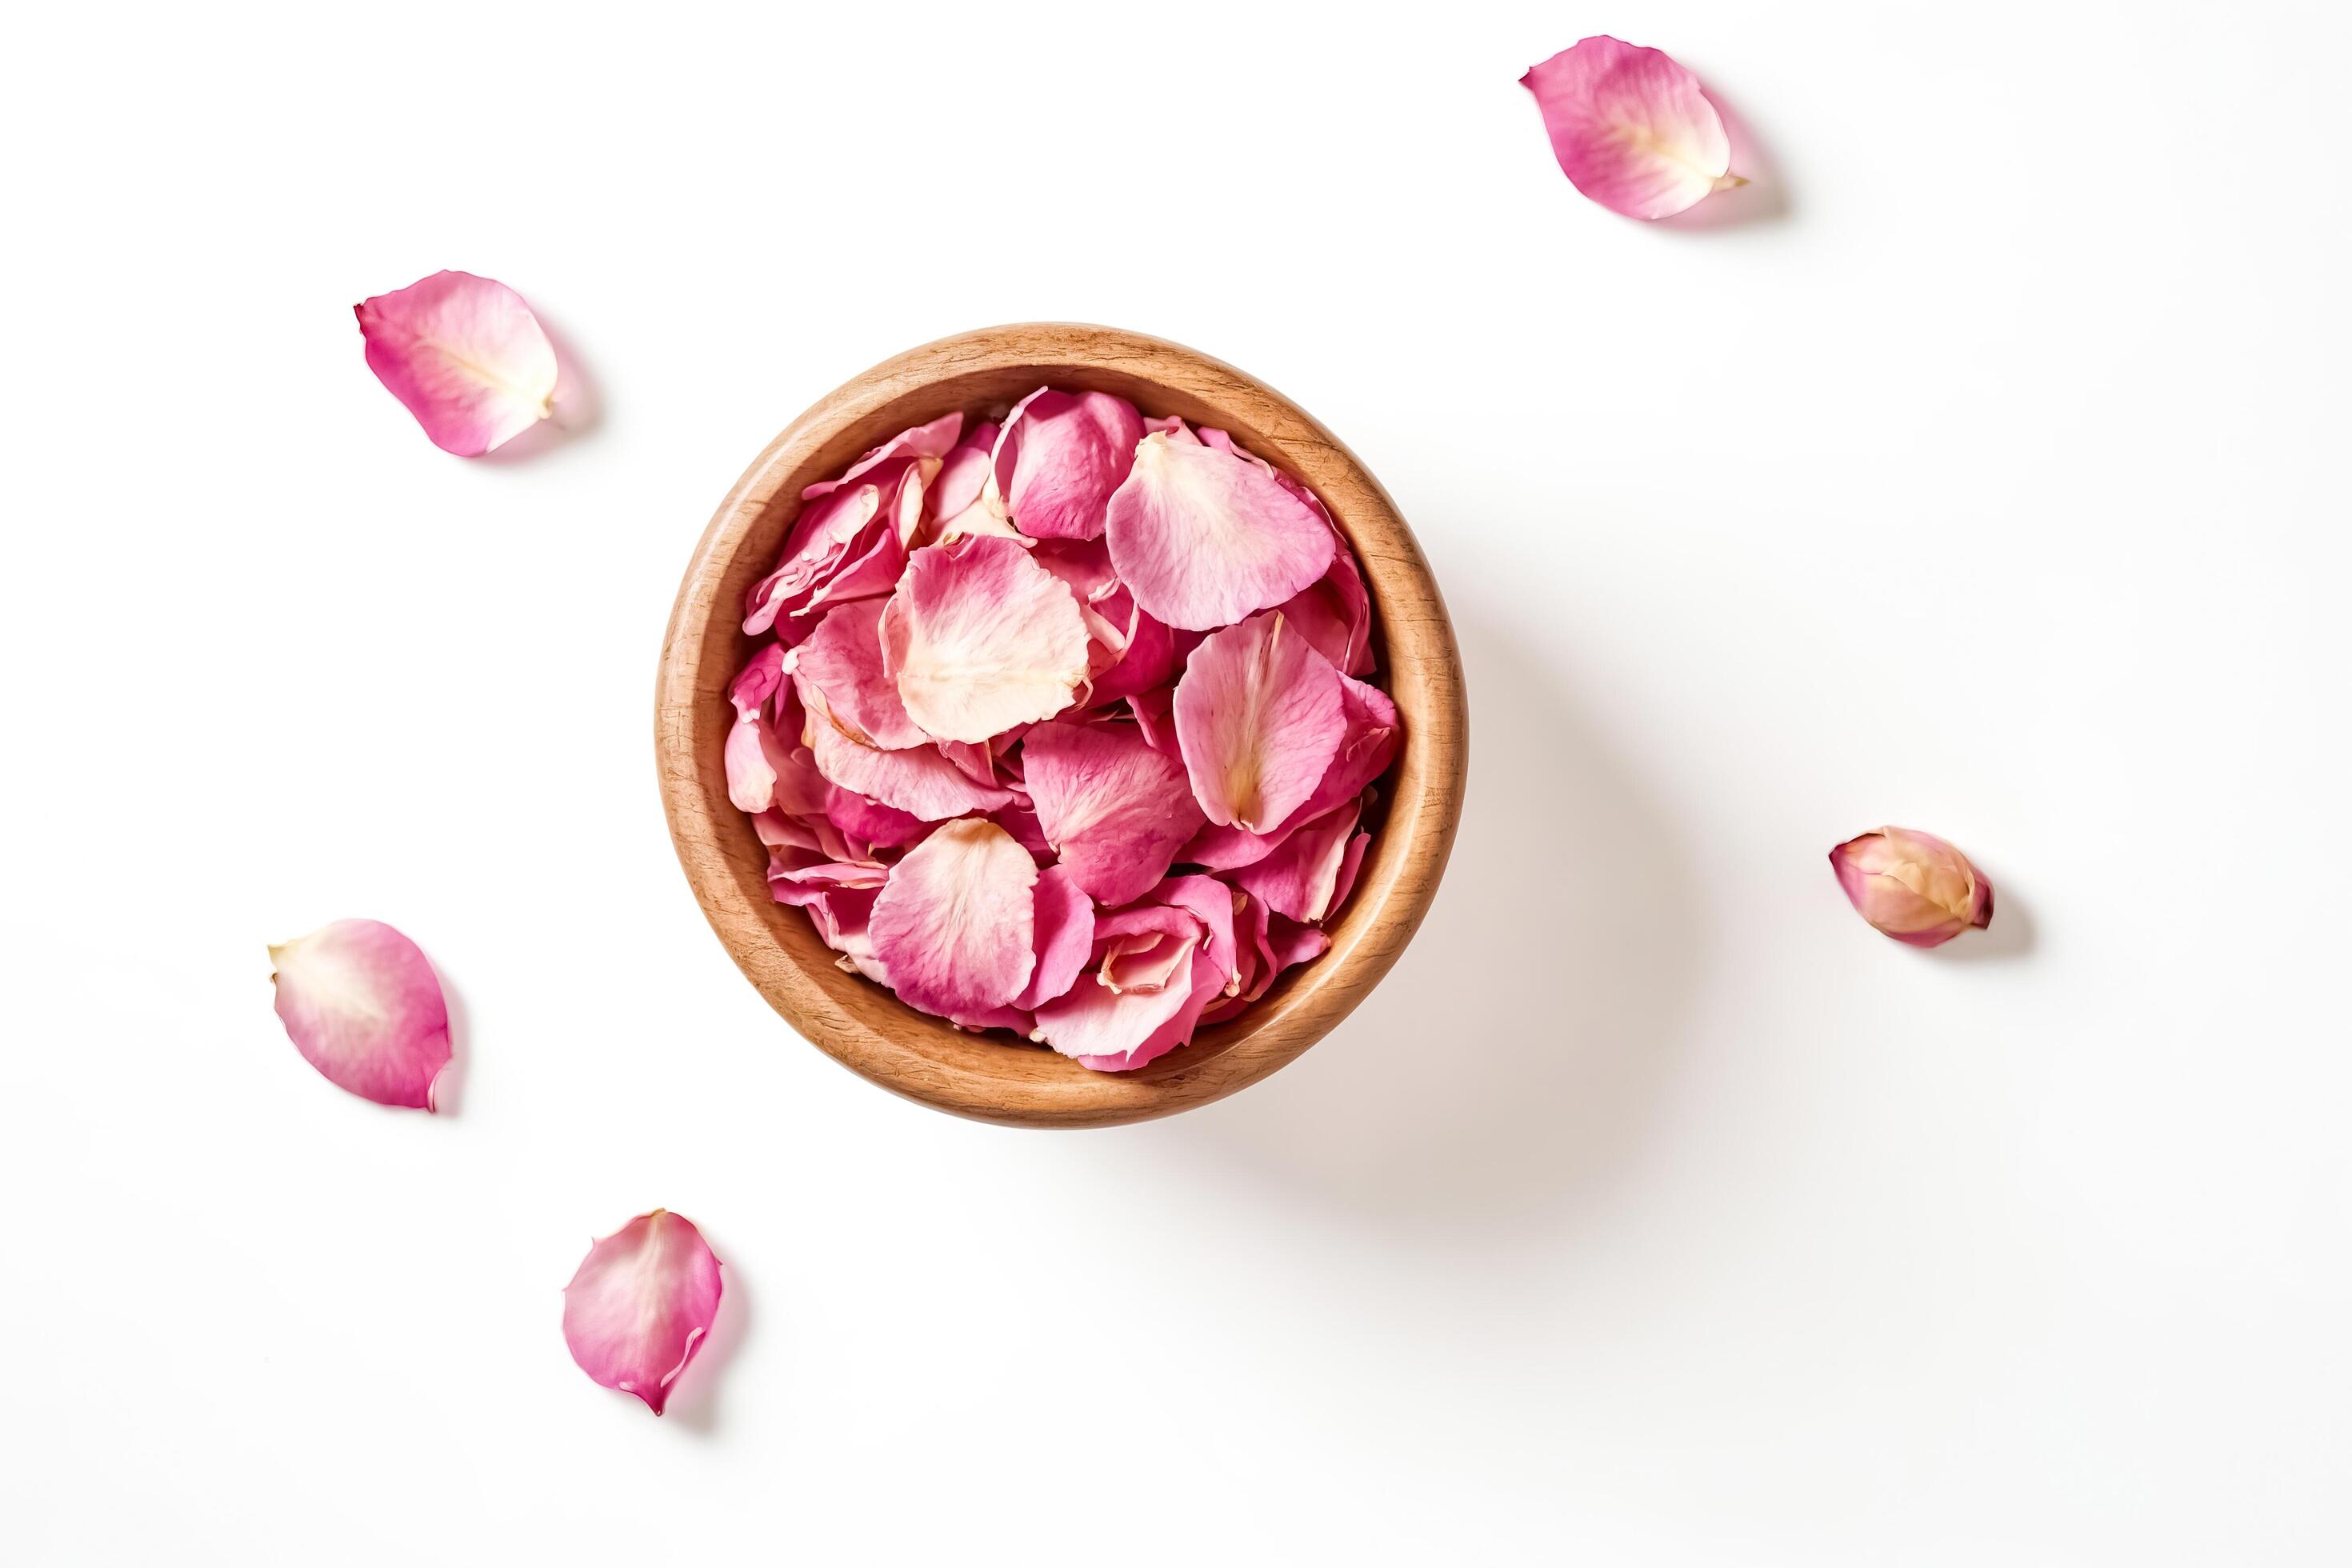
465	356
814	551
1366	749
843	659
1203	537
1632	129
1259	715
1335	613
936	440
1112	807
1064	937
642	1304
957	919
980	637
1301	878
1059	458
1912	886
1118	1020
363	1006
917	780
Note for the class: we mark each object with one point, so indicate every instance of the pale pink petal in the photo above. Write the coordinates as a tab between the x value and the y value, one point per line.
1301	878
843	659
980	637
1083	563
754	758
1260	717
936	440
1366	749
1913	886
363	1006
1095	1024
465	356
1113	808
1173	1031
957	921
1064	936
641	1304
964	475
755	685
917	780
975	760
1172	427
1059	458
1632	129
1204	537
1210	902
800	885
1144	947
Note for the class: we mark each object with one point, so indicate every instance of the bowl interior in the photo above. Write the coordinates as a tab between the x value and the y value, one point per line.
992	1075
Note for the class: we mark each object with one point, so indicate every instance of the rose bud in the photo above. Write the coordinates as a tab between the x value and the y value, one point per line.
1912	886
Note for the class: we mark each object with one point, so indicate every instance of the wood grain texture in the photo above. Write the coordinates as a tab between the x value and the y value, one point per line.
992	1077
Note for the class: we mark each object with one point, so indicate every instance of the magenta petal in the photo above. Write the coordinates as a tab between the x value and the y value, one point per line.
465	356
957	920
980	637
1204	536
1112	807
363	1006
1335	613
1632	129
1064	937
641	1304
843	659
1260	717
1059	458
816	549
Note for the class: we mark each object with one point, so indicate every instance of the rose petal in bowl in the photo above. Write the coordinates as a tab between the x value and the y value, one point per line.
641	1305
1059	458
465	356
1632	129
1112	807
957	920
1259	715
1203	535
917	780
843	659
980	639
363	1006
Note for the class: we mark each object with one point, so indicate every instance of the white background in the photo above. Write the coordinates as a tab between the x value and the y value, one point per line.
1979	468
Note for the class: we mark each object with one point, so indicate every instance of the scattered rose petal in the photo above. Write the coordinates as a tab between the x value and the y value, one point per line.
465	356
1912	886
1259	716
1059	458
1204	537
957	920
363	1006
642	1304
980	637
1113	808
1632	129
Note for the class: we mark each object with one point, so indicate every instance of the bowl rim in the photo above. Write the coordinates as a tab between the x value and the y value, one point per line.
860	1024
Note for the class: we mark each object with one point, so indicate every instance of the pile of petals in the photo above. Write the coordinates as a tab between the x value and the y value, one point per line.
1058	724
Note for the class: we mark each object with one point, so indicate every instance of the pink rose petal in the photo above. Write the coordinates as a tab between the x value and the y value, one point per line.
918	781
1059	458
641	1304
465	356
363	1006
936	440
814	551
1204	536
1301	878
843	659
1260	717
957	920
1113	808
1064	937
980	637
1350	864
1335	613
1632	129
869	822
1366	749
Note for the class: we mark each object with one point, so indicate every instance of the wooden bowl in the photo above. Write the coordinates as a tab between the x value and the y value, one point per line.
993	1077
